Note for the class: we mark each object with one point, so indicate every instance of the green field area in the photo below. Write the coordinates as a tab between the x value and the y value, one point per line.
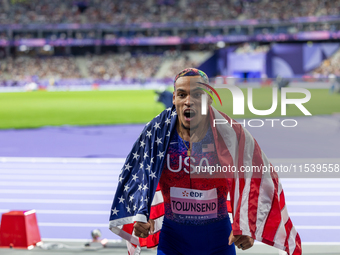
41	108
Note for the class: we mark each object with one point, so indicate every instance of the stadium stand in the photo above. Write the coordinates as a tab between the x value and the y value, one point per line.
106	67
329	66
114	41
151	18
22	67
132	11
252	48
121	66
177	61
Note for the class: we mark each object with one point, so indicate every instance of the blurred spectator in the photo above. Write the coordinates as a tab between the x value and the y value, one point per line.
252	48
135	11
110	66
179	61
3	35
22	67
329	66
123	66
114	67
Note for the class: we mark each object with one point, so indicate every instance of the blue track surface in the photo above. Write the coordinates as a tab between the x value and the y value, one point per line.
73	198
315	136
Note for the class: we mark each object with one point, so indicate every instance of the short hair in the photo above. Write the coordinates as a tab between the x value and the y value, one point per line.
192	72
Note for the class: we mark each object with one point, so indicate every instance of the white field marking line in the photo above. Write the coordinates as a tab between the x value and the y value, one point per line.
320	243
312	186
66	240
55	201
47	171
70	201
122	160
305	160
53	224
57	166
68	212
311	181
110	184
60	184
61	160
118	240
296	214
314	214
317	227
73	212
59	192
304	244
107	192
286	186
58	178
308	194
312	202
38	165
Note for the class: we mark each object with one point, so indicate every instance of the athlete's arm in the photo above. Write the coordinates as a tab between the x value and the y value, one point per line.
241	241
144	228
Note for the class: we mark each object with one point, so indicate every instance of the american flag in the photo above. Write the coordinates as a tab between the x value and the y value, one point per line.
257	199
208	147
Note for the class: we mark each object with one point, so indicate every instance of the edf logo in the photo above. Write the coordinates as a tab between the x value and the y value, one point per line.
196	194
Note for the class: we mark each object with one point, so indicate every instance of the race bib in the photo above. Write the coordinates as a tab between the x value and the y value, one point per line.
193	204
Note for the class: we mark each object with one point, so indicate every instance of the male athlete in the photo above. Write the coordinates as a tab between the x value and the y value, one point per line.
170	153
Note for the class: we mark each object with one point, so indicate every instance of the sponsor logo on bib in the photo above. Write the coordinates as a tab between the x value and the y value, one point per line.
194	204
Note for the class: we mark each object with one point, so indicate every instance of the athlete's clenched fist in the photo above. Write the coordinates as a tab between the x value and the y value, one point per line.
142	229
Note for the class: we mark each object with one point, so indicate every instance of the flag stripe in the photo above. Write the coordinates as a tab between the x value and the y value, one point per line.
247	161
256	198
255	215
227	154
291	240
288	227
298	249
152	240
282	199
157	211
243	221
272	226
158	198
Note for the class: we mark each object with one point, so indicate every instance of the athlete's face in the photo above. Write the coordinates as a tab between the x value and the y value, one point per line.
187	100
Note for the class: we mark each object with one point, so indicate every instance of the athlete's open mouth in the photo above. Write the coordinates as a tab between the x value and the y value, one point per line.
189	114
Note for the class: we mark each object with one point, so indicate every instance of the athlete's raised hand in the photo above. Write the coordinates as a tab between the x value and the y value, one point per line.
241	241
142	229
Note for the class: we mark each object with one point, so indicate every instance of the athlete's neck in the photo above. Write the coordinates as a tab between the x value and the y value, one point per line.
193	134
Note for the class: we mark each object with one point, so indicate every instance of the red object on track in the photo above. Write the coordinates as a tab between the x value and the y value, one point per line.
19	229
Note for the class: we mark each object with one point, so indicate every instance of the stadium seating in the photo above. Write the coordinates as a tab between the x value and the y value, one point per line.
105	67
133	11
329	66
114	40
